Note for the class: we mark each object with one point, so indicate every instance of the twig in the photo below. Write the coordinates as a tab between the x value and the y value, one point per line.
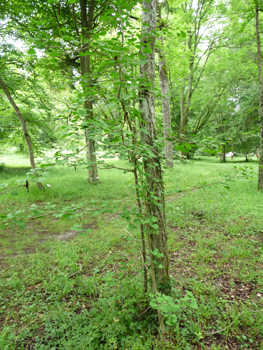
115	167
125	255
144	311
74	273
10	188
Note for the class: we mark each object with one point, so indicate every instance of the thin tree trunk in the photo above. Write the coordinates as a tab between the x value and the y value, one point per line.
183	121
163	76
152	166
86	25
185	103
24	128
232	148
260	83
155	207
224	153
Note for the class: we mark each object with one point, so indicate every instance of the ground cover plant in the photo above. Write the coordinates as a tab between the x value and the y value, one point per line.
76	281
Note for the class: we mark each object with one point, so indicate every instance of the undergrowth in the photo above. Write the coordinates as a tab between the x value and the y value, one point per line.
86	292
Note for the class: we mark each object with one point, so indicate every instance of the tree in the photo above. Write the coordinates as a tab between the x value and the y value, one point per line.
260	83
87	20
197	40
56	32
24	128
163	76
157	236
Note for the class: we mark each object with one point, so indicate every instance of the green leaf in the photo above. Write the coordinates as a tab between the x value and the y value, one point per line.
147	50
157	253
137	222
141	62
13	193
132	227
31	51
154	226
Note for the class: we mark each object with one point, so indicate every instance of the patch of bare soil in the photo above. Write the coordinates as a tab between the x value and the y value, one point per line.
44	235
236	290
229	342
70	234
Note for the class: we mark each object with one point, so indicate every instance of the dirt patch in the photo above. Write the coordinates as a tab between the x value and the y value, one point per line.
70	234
45	235
237	290
67	235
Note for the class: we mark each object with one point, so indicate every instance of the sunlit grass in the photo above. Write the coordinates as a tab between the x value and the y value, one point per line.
215	243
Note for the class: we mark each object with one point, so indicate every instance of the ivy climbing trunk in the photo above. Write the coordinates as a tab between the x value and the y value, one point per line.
24	128
163	76
155	207
260	83
86	27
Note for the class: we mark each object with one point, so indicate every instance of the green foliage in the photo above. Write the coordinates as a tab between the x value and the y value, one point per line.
170	306
109	323
90	289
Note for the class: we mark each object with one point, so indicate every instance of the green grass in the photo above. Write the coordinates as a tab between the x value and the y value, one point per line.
86	293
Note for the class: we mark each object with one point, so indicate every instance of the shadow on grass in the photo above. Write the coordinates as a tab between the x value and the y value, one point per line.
9	171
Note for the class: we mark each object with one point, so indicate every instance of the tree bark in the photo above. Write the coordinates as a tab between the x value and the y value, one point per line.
223	154
86	26
157	237
183	122
260	84
24	128
163	76
185	103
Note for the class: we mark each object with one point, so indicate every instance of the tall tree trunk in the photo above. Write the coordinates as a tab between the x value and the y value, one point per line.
224	153
185	103
24	128
163	76
86	26
155	191
183	122
260	83
155	206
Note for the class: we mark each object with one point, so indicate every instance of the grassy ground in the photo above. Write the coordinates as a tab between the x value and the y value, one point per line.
60	289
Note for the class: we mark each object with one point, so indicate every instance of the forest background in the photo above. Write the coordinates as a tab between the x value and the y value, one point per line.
122	107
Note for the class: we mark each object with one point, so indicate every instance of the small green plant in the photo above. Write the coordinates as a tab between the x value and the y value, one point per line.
170	306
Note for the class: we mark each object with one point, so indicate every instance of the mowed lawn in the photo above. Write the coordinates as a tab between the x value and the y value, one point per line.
74	281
